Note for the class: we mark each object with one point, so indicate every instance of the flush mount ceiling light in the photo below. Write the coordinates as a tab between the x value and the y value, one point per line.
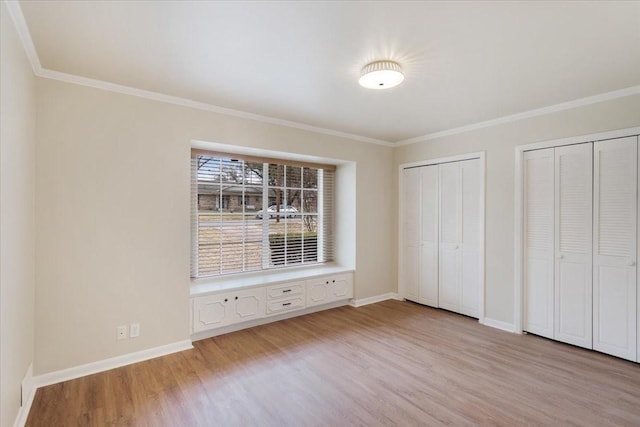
381	75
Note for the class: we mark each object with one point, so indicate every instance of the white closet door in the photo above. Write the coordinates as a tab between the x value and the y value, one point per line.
614	261
411	230
637	312
450	226
538	241
573	244
470	237
460	232
429	239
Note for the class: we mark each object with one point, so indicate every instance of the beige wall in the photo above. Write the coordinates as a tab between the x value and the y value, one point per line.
106	258
498	142
17	222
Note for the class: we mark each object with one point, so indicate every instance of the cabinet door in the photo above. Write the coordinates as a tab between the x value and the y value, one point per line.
538	241
470	235
211	312
614	274
429	236
248	304
410	262
318	291
323	290
450	226
341	287
215	311
573	244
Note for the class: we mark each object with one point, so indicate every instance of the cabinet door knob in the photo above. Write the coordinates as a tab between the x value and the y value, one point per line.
334	281
225	300
560	256
631	263
327	282
236	297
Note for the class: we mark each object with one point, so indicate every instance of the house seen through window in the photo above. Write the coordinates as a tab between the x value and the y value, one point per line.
255	214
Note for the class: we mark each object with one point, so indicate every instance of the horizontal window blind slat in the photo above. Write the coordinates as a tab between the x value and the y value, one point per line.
232	232
258	159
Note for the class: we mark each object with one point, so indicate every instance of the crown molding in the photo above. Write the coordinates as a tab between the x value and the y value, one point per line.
607	96
17	16
175	100
15	11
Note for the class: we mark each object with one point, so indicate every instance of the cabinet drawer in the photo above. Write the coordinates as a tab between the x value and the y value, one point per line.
285	305
285	290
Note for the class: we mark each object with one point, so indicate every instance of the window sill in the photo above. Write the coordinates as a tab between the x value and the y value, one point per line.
200	287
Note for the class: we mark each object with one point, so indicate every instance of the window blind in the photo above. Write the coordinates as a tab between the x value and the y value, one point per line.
251	214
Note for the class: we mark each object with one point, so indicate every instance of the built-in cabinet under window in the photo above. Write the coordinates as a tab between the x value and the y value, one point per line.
225	308
580	245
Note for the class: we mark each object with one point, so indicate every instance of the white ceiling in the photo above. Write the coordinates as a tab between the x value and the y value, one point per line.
465	62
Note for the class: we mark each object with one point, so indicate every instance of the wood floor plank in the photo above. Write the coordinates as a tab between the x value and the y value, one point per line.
391	363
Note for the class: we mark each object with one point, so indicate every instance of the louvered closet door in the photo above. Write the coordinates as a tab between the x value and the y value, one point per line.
470	237
615	238
450	227
538	241
429	236
410	262
573	244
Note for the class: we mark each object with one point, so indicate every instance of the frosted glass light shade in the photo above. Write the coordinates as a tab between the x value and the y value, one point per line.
381	75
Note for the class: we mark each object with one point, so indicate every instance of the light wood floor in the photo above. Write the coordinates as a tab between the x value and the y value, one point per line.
392	363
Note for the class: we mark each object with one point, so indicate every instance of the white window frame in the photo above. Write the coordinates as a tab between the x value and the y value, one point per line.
270	157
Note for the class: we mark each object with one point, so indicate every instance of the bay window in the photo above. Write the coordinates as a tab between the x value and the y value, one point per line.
252	214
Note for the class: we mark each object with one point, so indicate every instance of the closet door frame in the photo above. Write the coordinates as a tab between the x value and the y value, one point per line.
468	156
518	305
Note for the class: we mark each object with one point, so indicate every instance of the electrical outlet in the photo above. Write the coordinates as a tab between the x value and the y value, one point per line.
122	332
134	330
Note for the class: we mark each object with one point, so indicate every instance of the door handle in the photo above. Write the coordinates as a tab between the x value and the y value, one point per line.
631	263
560	256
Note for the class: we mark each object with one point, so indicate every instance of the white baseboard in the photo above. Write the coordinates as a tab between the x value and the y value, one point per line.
28	392
372	300
498	324
111	363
